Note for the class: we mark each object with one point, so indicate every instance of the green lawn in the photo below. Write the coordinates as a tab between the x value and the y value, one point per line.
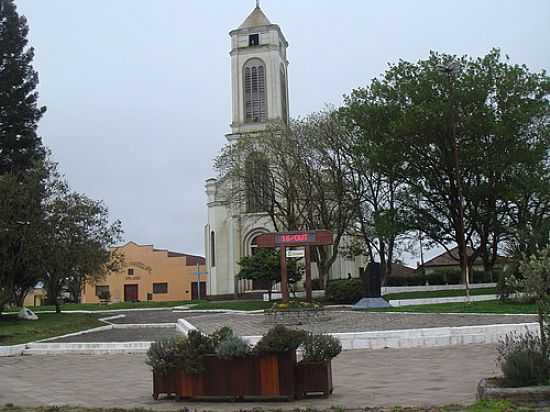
439	294
14	331
102	307
492	306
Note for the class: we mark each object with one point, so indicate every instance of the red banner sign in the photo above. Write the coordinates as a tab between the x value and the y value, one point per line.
312	238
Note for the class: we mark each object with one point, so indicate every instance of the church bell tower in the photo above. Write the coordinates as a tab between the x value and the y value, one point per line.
259	75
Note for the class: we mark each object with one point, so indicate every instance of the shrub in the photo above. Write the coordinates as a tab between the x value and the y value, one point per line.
280	339
190	352
161	355
219	335
405	281
316	284
522	361
232	347
343	291
321	348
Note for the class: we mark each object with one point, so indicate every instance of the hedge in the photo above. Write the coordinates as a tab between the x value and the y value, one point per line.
346	291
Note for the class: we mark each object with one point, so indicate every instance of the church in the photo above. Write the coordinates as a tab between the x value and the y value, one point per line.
259	76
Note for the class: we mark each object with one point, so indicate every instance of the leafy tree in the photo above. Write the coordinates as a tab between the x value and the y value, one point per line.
535	281
21	236
463	135
80	237
20	146
265	265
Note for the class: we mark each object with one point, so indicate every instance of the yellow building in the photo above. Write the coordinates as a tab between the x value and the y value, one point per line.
149	274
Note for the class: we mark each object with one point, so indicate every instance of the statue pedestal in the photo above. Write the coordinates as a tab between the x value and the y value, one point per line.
370	303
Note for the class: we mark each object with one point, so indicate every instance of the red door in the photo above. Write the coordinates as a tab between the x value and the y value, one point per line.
130	293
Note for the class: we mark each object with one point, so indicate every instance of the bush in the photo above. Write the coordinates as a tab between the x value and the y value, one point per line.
161	355
190	352
232	347
405	281
344	291
219	335
316	284
280	339
321	348
522	361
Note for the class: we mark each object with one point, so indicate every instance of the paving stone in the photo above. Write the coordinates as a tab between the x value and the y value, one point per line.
362	378
123	335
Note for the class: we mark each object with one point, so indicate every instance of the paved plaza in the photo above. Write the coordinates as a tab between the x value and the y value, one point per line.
416	377
348	321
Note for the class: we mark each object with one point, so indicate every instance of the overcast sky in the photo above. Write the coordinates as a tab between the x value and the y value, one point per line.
138	91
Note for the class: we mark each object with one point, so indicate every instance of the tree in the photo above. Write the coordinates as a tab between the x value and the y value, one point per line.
535	281
80	237
22	243
377	195
459	133
22	169
20	146
265	265
296	176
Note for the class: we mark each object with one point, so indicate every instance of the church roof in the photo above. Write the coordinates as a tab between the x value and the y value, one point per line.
255	19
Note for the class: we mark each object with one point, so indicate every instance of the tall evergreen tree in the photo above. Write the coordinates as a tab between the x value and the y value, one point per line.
20	146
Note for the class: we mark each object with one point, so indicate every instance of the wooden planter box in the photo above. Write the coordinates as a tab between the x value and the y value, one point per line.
262	377
313	378
277	375
164	383
235	378
189	386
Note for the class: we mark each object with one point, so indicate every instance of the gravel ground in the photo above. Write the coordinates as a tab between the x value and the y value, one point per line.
153	316
347	321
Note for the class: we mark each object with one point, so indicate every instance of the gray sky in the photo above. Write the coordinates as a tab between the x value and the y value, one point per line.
138	91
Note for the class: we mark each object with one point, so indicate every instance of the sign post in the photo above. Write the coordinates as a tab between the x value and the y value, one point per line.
307	239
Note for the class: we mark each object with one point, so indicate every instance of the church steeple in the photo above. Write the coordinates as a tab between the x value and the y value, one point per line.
259	74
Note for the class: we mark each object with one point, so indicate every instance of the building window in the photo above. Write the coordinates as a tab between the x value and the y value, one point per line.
212	249
102	292
160	288
131	272
254	40
284	102
259	192
254	91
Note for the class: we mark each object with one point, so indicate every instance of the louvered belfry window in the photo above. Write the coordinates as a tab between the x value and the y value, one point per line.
254	91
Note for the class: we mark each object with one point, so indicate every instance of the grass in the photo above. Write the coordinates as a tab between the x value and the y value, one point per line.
439	294
98	307
14	331
492	306
481	406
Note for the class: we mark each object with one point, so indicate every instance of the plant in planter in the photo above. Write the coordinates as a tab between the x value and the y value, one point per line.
277	361
314	372
232	347
522	361
161	357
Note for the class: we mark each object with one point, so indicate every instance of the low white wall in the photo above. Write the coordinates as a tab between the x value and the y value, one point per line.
428	337
432	301
386	290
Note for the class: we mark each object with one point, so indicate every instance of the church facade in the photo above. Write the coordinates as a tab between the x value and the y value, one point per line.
259	75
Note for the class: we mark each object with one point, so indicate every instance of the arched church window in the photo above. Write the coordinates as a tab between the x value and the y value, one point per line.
259	190
284	95
255	91
212	249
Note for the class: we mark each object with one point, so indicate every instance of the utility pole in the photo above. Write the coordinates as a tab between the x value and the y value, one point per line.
450	70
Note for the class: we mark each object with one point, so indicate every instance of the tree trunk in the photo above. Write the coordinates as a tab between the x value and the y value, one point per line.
543	337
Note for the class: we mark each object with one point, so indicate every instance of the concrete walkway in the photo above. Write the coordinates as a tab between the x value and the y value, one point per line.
415	377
